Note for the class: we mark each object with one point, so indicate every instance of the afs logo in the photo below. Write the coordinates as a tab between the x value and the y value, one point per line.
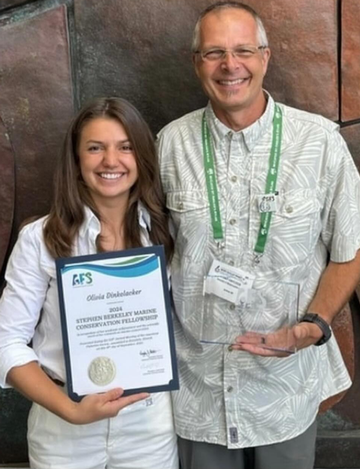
80	280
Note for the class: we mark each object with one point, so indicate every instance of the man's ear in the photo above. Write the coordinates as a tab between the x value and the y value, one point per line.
266	54
195	61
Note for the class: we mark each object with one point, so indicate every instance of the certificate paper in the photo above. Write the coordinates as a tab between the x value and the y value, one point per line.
116	322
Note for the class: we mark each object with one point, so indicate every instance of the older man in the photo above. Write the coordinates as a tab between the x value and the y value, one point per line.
250	405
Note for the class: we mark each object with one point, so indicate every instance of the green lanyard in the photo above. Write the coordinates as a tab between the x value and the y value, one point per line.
211	181
210	174
265	217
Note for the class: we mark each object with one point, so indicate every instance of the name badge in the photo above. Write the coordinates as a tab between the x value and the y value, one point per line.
267	203
227	282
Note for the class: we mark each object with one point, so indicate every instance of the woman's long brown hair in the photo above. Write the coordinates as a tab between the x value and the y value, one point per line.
71	193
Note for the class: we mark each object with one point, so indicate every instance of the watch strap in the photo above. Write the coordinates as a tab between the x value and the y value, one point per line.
319	321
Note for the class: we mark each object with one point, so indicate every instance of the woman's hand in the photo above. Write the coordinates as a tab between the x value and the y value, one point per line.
101	406
34	384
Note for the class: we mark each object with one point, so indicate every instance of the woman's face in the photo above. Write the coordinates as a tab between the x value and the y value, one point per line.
107	161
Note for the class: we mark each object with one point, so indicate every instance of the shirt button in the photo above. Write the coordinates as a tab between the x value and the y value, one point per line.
230	389
180	206
233	178
232	306
289	209
232	221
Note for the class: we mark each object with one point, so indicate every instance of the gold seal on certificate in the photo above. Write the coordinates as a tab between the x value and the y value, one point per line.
102	371
116	322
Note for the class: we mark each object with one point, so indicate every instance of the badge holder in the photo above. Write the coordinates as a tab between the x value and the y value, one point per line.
263	316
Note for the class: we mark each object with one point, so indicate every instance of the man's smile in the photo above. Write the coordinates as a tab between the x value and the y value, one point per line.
234	82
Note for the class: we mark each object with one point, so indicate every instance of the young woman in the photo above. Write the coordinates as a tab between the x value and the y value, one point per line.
107	197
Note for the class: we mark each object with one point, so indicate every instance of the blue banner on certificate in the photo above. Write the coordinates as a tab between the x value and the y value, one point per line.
116	322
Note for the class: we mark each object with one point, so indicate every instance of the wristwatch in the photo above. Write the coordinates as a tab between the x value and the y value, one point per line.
319	321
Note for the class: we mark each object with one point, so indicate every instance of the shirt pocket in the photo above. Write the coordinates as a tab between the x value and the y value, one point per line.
294	228
191	216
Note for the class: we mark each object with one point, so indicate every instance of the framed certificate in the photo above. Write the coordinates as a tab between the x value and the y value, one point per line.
116	322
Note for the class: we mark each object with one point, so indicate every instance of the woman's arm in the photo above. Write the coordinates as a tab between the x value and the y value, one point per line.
22	300
20	306
34	384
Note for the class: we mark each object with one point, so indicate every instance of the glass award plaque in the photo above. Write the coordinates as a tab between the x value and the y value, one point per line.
263	316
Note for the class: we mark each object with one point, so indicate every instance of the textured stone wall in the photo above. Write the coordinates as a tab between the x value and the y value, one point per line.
56	54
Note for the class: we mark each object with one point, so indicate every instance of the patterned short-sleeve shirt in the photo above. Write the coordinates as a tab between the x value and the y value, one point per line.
233	398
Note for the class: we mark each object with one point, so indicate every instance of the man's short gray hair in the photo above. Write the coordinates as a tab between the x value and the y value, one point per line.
261	33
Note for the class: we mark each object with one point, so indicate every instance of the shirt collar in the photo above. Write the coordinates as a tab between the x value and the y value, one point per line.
251	134
144	217
92	225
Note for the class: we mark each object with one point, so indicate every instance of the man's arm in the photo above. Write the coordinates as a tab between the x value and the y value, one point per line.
336	285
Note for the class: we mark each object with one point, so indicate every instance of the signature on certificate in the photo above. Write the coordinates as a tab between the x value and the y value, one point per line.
148	352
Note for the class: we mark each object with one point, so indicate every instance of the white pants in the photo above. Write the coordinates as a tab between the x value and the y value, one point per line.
142	436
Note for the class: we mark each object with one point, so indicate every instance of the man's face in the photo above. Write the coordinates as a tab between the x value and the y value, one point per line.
232	83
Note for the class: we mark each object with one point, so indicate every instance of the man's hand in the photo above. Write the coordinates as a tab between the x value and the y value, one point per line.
280	343
337	283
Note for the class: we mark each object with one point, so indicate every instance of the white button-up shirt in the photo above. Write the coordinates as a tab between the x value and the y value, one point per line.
29	306
234	398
